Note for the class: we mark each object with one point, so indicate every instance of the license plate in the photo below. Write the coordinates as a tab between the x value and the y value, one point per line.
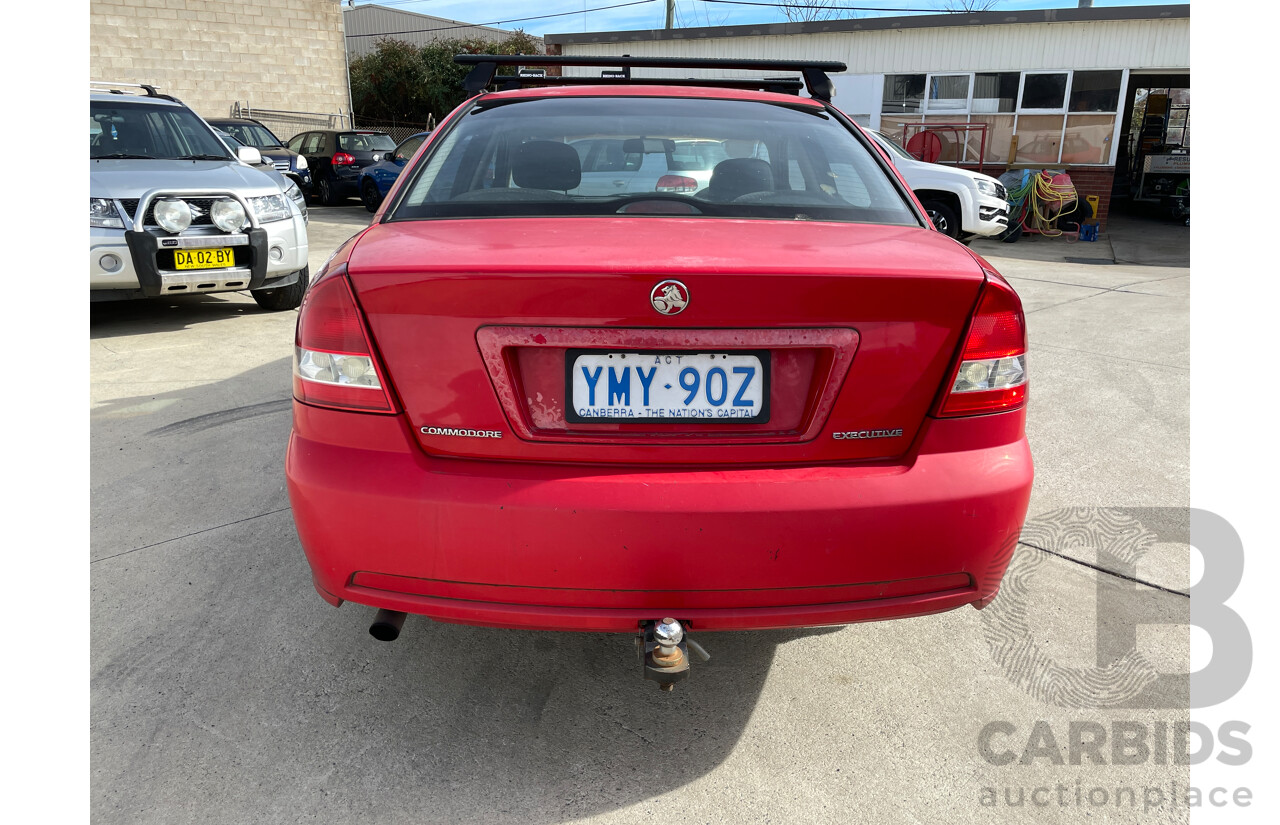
692	387
203	258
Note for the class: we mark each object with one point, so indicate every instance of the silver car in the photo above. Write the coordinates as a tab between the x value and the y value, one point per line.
172	211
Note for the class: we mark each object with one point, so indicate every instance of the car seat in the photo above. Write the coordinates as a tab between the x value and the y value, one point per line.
546	164
736	177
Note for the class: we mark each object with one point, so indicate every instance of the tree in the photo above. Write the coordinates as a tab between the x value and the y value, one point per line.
401	82
806	11
966	5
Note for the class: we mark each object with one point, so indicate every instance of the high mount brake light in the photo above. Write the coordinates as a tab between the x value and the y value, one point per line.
333	362
992	373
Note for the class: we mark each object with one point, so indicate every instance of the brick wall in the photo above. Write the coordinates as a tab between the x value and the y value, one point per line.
1088	180
286	54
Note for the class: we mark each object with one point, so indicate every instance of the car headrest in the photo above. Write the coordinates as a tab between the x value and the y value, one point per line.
546	164
735	177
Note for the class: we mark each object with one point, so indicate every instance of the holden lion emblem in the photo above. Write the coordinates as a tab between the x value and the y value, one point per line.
669	297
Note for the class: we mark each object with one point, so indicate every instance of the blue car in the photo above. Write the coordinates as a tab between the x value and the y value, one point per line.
376	179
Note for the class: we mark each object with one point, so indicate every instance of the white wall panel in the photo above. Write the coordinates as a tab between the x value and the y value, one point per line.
1137	44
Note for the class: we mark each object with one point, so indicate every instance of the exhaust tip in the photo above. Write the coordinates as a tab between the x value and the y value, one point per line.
386	625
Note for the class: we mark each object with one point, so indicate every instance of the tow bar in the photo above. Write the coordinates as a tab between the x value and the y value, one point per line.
664	651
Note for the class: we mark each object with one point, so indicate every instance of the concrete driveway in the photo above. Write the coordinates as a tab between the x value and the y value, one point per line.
225	691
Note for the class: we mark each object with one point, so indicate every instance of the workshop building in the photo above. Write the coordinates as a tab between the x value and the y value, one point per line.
1103	93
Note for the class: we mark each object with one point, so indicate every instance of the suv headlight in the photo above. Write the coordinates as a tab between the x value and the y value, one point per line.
293	193
102	212
302	161
987	187
270	208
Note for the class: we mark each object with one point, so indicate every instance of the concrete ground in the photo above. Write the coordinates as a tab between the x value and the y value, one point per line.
225	691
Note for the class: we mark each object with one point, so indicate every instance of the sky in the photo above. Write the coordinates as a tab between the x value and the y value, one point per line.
650	14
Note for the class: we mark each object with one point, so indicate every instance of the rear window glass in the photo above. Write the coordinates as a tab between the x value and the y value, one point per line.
365	143
600	155
250	134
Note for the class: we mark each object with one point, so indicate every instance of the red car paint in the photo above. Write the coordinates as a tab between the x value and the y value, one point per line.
857	500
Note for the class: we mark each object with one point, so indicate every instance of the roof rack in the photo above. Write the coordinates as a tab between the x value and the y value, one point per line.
485	67
115	88
781	85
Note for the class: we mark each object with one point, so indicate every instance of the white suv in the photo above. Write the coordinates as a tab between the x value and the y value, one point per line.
173	212
962	204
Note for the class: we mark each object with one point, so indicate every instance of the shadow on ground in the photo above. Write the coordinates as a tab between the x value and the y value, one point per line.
1131	238
225	690
108	319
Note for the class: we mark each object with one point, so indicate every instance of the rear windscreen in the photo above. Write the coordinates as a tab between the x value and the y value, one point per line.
602	155
365	143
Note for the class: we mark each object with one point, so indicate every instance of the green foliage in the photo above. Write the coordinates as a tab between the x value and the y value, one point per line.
401	82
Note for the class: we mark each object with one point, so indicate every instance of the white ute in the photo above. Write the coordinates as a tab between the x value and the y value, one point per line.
962	204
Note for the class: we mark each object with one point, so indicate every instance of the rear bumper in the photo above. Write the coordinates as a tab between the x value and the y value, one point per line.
588	548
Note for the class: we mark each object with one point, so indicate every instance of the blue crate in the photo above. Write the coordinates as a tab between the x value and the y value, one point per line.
1089	231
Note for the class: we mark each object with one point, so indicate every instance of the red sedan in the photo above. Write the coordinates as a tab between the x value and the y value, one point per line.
768	396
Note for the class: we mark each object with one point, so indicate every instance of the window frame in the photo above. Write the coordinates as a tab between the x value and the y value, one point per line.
1066	93
926	110
967	115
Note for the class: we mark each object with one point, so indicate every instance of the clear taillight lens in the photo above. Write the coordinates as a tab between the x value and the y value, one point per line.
992	374
333	362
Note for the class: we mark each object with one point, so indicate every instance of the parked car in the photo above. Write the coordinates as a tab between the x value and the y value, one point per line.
961	203
611	165
287	184
376	179
253	133
336	158
172	211
784	400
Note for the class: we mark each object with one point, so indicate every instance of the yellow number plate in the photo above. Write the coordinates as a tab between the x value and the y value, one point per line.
203	258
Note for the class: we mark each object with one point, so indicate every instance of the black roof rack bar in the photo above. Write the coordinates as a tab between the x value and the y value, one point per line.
111	87
485	66
781	85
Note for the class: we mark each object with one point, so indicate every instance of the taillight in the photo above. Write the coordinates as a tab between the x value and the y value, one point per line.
342	159
992	374
333	363
676	183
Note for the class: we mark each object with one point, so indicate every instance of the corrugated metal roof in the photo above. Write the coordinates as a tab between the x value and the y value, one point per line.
366	25
1104	44
953	20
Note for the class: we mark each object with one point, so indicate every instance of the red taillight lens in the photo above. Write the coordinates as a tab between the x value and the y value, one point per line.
992	373
676	183
342	159
333	363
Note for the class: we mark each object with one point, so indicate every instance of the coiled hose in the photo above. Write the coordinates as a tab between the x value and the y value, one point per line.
1037	204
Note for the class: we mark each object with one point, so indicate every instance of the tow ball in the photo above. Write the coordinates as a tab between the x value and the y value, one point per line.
664	650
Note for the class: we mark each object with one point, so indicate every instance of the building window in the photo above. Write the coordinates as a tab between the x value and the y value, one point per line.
948	93
1095	91
1044	91
902	93
1058	116
995	92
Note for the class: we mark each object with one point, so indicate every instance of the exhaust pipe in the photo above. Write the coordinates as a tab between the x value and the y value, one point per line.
386	625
